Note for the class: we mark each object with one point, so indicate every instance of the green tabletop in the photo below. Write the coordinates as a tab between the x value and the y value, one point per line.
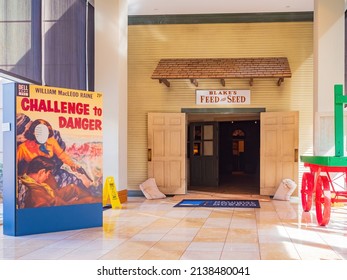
325	160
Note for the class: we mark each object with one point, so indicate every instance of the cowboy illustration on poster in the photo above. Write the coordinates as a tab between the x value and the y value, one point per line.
59	147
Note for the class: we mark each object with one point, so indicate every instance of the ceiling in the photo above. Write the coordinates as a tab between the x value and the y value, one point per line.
166	7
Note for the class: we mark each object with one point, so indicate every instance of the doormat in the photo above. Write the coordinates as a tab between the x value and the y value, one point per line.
234	203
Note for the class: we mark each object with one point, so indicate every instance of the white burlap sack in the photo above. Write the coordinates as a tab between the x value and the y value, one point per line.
285	190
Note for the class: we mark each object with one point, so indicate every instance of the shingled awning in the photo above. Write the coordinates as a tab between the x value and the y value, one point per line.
222	68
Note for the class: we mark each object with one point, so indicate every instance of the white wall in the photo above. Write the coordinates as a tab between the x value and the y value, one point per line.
329	64
111	25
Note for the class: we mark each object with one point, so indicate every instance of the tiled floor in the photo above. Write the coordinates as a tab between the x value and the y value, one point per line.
147	229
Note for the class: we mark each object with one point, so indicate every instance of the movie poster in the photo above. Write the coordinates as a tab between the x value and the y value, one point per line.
59	146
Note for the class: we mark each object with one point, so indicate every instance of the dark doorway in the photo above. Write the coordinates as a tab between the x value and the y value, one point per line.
238	158
239	161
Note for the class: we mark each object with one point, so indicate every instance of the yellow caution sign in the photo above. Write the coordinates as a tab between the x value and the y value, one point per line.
110	194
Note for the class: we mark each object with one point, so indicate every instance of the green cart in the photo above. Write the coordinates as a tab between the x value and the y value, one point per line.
323	181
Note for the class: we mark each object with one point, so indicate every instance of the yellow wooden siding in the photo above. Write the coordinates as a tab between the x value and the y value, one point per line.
149	43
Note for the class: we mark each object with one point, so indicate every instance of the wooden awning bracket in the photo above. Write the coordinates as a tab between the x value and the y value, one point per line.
251	81
222	81
164	81
194	82
280	81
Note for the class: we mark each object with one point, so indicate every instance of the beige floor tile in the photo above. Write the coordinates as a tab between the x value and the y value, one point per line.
206	246
239	255
198	255
104	243
184	230
31	243
211	235
69	243
147	237
222	213
199	213
191	222
180	213
122	232
241	235
273	237
243	222
89	234
159	254
217	223
130	250
177	238
181	234
84	254
317	251
278	251
155	230
52	253
171	246
164	222
241	247
244	216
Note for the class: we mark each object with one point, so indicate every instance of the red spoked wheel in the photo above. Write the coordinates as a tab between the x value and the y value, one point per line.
323	201
307	191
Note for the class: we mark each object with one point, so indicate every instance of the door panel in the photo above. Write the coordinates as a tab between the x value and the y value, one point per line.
210	173
158	172
279	141
175	145
174	171
167	151
204	165
158	143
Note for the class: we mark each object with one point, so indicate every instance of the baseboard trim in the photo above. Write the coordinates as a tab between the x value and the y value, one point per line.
123	196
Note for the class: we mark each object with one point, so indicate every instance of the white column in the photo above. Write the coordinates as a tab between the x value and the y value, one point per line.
329	64
111	25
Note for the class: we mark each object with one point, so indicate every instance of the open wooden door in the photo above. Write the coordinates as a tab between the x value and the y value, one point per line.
279	141
167	151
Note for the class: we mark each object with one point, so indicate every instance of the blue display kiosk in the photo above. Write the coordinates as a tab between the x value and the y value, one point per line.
18	220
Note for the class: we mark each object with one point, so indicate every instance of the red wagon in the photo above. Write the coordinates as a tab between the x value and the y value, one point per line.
326	181
323	185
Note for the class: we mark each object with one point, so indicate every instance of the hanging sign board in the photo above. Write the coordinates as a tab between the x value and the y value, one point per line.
223	97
